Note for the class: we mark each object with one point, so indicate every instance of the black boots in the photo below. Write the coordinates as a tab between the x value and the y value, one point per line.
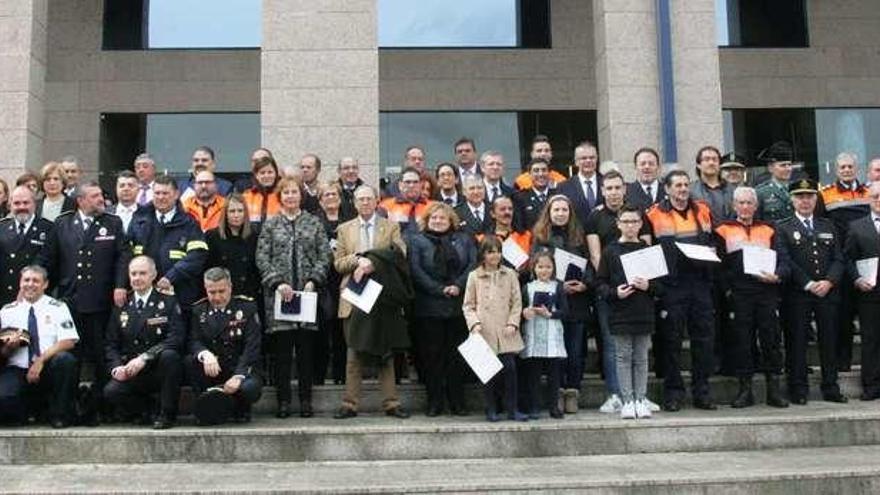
745	397
774	395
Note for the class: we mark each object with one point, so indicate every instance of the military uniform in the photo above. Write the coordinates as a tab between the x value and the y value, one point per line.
152	329
815	254
85	265
178	248
774	203
18	250
232	334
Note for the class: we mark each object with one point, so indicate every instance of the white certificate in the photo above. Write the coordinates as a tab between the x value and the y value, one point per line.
480	357
308	308
867	269
698	252
563	259
648	263
514	254
757	259
366	299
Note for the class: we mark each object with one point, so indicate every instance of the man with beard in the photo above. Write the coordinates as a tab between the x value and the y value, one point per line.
23	238
206	205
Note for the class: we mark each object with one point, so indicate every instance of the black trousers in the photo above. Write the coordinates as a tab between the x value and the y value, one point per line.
502	385
54	393
801	309
162	375
533	368
443	368
689	310
284	344
754	316
330	351
847	310
90	348
869	323
249	392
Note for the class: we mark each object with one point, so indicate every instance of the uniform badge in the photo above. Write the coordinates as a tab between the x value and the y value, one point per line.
48	319
239	314
42	236
796	235
203	318
232	333
102	231
158	331
161	305
123	318
238	332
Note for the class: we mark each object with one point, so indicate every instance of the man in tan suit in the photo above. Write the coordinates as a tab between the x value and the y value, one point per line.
366	231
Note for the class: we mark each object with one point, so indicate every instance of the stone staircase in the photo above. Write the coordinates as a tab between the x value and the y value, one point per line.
815	449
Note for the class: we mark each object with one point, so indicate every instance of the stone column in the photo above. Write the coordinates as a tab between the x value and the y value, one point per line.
698	112
22	87
627	83
319	84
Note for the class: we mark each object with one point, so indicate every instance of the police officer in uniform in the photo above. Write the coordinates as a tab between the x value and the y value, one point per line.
167	234
774	203
23	236
225	343
144	339
87	258
817	268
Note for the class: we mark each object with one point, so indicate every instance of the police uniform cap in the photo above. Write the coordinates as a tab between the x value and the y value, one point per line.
780	151
803	186
732	160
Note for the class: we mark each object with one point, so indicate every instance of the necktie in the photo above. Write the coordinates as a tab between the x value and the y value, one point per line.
495	193
808	224
162	219
591	196
87	222
140	304
650	190
21	230
34	346
877	224
479	214
142	197
448	201
365	237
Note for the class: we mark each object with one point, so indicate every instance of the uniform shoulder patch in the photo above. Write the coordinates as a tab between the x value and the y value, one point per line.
6	220
200	301
55	302
65	214
242	297
10	305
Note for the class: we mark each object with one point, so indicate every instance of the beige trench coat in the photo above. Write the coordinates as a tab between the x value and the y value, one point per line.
492	299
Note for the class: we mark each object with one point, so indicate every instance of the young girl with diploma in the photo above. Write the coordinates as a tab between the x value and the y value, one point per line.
492	305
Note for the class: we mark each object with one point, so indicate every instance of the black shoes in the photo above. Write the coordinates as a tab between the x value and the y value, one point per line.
799	400
345	413
306	410
397	412
283	410
671	405
745	397
163	422
704	403
58	423
835	397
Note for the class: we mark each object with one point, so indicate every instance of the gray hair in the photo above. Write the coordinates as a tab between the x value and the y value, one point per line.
741	191
145	157
486	154
36	269
80	191
368	188
217	274
471	180
846	156
146	259
71	159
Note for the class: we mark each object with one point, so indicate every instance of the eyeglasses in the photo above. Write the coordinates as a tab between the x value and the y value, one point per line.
629	222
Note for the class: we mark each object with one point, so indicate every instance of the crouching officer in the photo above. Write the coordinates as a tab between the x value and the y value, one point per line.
142	344
225	347
753	299
817	268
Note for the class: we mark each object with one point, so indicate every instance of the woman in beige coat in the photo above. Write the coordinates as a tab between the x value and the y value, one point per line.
492	307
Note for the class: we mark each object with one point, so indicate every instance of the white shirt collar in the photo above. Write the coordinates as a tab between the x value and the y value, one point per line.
371	222
27	225
168	214
144	298
802	218
82	217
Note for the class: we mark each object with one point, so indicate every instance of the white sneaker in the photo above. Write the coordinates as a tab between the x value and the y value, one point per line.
628	411
611	405
642	409
651	406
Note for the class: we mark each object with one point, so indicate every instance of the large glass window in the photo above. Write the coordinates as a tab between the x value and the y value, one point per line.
753	130
171	138
750	23
464	23
508	132
200	24
855	130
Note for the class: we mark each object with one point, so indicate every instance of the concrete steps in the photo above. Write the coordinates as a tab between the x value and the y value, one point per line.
849	470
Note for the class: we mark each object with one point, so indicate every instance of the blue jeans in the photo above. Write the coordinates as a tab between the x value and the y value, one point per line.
573	369
609	363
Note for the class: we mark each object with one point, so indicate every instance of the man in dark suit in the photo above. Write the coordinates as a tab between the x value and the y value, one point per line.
349	180
647	189
584	189
23	236
862	242
528	203
474	211
87	258
144	339
817	267
492	165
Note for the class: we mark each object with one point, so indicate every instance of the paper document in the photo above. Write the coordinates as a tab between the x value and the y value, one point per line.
563	259
480	357
757	259
514	254
648	263
366	299
867	269
307	310
698	252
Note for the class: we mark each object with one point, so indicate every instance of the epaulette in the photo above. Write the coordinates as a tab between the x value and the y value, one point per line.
600	207
111	214
6	219
54	302
243	297
10	305
65	213
200	301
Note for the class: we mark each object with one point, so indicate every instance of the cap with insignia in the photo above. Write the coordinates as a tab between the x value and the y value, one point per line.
780	151
803	186
732	160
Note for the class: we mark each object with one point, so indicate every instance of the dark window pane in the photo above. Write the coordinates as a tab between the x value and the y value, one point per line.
756	129
750	23
124	25
123	137
565	128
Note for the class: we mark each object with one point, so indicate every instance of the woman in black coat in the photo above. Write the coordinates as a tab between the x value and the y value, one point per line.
440	259
233	244
332	347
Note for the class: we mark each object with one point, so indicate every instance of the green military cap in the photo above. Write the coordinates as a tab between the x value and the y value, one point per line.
803	186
